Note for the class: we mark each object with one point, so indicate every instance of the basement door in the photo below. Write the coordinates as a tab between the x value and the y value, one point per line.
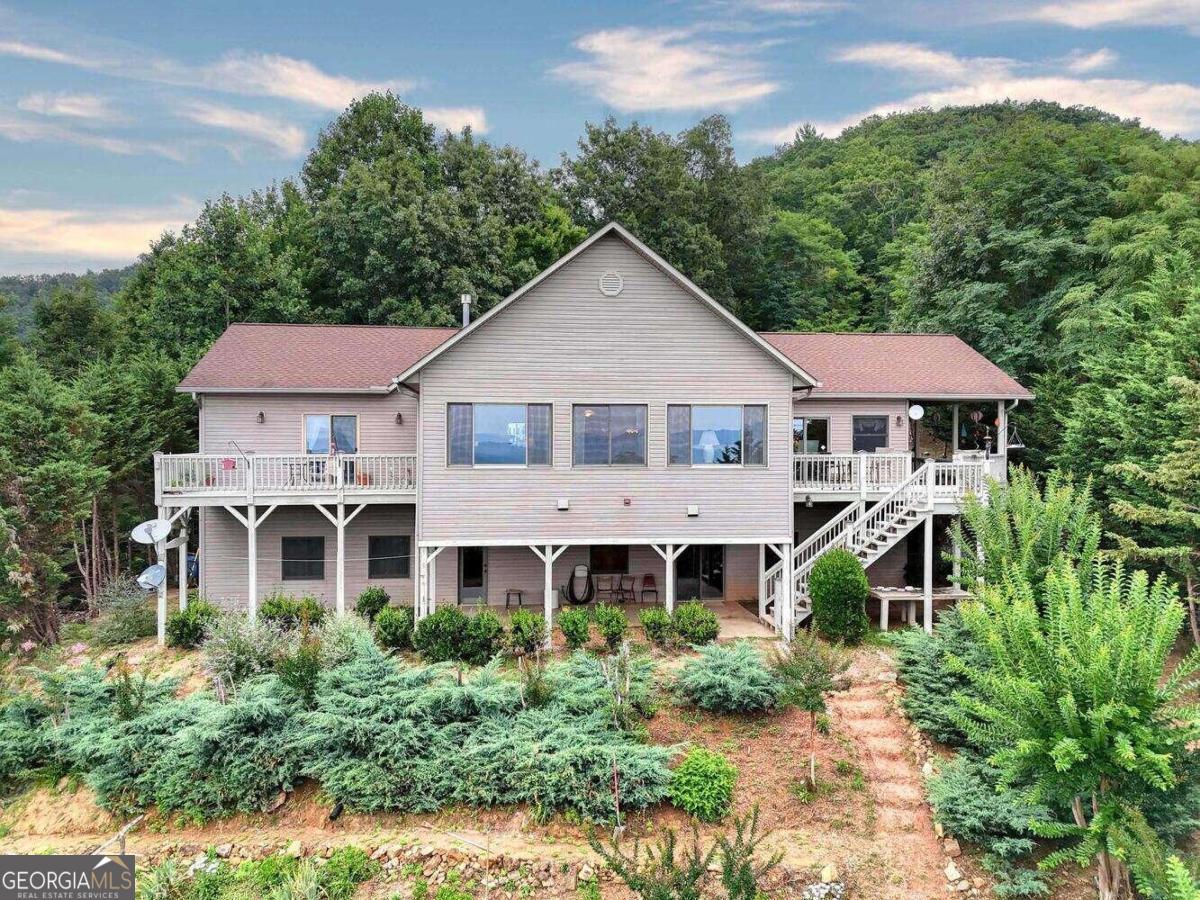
472	574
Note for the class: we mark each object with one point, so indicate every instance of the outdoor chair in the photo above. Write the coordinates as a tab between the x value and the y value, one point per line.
625	589
604	587
649	586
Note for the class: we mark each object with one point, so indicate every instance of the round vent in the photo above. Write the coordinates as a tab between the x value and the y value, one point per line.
611	284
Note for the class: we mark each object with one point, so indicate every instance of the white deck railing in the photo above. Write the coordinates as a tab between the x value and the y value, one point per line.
270	474
851	472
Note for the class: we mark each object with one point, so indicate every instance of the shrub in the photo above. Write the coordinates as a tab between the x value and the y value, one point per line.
128	618
186	627
702	785
728	678
299	669
838	588
611	623
740	872
575	624
343	638
527	632
695	624
483	639
371	601
657	624
394	628
236	648
438	636
657	874
118	591
929	684
345	870
287	611
806	670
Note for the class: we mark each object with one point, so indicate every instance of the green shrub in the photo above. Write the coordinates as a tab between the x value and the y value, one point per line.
128	617
287	611
343	638
611	623
394	628
838	588
655	874
656	623
186	627
299	669
438	637
728	678
484	638
526	632
929	684
702	785
695	623
372	599
344	871
575	624
236	648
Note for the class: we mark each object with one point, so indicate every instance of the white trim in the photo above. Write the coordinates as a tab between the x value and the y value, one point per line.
304	451
380	389
584	540
669	270
459	467
908	395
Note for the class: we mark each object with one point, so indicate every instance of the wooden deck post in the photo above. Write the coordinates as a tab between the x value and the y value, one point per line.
160	551
787	618
762	581
927	593
669	577
340	575
954	428
252	561
183	552
548	555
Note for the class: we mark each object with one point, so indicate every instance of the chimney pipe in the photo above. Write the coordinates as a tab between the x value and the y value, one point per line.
466	305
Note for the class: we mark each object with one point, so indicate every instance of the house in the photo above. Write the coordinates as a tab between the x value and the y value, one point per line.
608	413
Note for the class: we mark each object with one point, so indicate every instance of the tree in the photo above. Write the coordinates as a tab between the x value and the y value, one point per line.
1072	700
71	327
807	668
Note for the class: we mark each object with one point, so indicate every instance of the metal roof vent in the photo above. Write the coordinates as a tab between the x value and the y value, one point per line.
611	284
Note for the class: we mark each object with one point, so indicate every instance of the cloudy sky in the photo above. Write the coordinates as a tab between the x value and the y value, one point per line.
117	120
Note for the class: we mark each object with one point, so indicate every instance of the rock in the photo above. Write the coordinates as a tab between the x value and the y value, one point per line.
979	883
886	676
829	874
380	852
295	848
963	886
586	872
223	850
951	848
927	769
939	830
951	871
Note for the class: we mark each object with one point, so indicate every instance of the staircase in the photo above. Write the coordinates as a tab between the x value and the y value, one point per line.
868	533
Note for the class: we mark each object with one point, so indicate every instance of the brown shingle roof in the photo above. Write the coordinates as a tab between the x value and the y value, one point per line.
249	357
914	366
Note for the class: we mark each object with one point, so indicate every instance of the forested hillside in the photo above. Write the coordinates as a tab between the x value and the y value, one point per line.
1059	242
20	292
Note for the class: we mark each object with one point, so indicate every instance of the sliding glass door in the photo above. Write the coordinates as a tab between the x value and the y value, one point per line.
700	573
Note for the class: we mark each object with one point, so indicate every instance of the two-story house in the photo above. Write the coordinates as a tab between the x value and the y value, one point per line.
608	414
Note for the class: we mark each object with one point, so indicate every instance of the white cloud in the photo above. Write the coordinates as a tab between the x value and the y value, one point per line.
283	137
456	118
797	8
639	69
253	74
92	236
1081	63
68	105
28	130
1116	13
1173	108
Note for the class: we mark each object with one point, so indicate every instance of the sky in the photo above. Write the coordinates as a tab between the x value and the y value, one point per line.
118	120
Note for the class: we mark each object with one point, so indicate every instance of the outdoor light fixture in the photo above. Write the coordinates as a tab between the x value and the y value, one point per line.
808	500
262	417
693	510
399	418
564	503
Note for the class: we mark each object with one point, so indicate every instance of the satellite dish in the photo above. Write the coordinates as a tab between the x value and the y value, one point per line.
916	412
152	577
151	531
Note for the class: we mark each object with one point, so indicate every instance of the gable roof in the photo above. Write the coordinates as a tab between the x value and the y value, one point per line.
257	358
909	366
667	269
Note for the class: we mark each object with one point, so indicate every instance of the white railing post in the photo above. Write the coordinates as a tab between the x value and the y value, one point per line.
249	478
158	479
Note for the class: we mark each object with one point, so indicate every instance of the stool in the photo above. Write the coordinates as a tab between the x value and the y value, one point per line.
514	592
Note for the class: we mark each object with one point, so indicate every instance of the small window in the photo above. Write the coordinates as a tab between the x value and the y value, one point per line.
870	433
303	558
610	559
388	556
810	435
609	435
331	434
717	435
499	434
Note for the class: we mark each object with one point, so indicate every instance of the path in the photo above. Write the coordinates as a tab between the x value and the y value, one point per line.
903	822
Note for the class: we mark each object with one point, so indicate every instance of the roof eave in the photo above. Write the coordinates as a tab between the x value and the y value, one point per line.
209	389
919	395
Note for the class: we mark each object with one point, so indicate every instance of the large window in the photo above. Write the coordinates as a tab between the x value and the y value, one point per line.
498	434
609	435
303	558
610	559
331	434
810	435
700	573
717	435
388	556
870	433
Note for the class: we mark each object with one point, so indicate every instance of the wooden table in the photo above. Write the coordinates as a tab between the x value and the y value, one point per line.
909	598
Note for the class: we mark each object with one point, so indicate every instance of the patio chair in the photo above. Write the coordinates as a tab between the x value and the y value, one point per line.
625	589
604	587
649	586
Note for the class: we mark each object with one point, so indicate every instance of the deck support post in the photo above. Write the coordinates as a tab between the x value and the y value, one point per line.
927	589
183	551
426	582
762	581
956	565
160	551
787	617
669	553
339	522
548	555
252	561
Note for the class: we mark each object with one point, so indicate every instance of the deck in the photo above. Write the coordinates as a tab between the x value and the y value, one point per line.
843	476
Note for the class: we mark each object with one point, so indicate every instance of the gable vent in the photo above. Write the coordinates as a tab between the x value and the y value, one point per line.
611	284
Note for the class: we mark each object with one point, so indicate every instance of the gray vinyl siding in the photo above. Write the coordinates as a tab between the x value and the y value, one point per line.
517	567
223	564
565	343
841	415
234	417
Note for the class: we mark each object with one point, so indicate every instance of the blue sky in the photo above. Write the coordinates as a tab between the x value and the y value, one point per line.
117	120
